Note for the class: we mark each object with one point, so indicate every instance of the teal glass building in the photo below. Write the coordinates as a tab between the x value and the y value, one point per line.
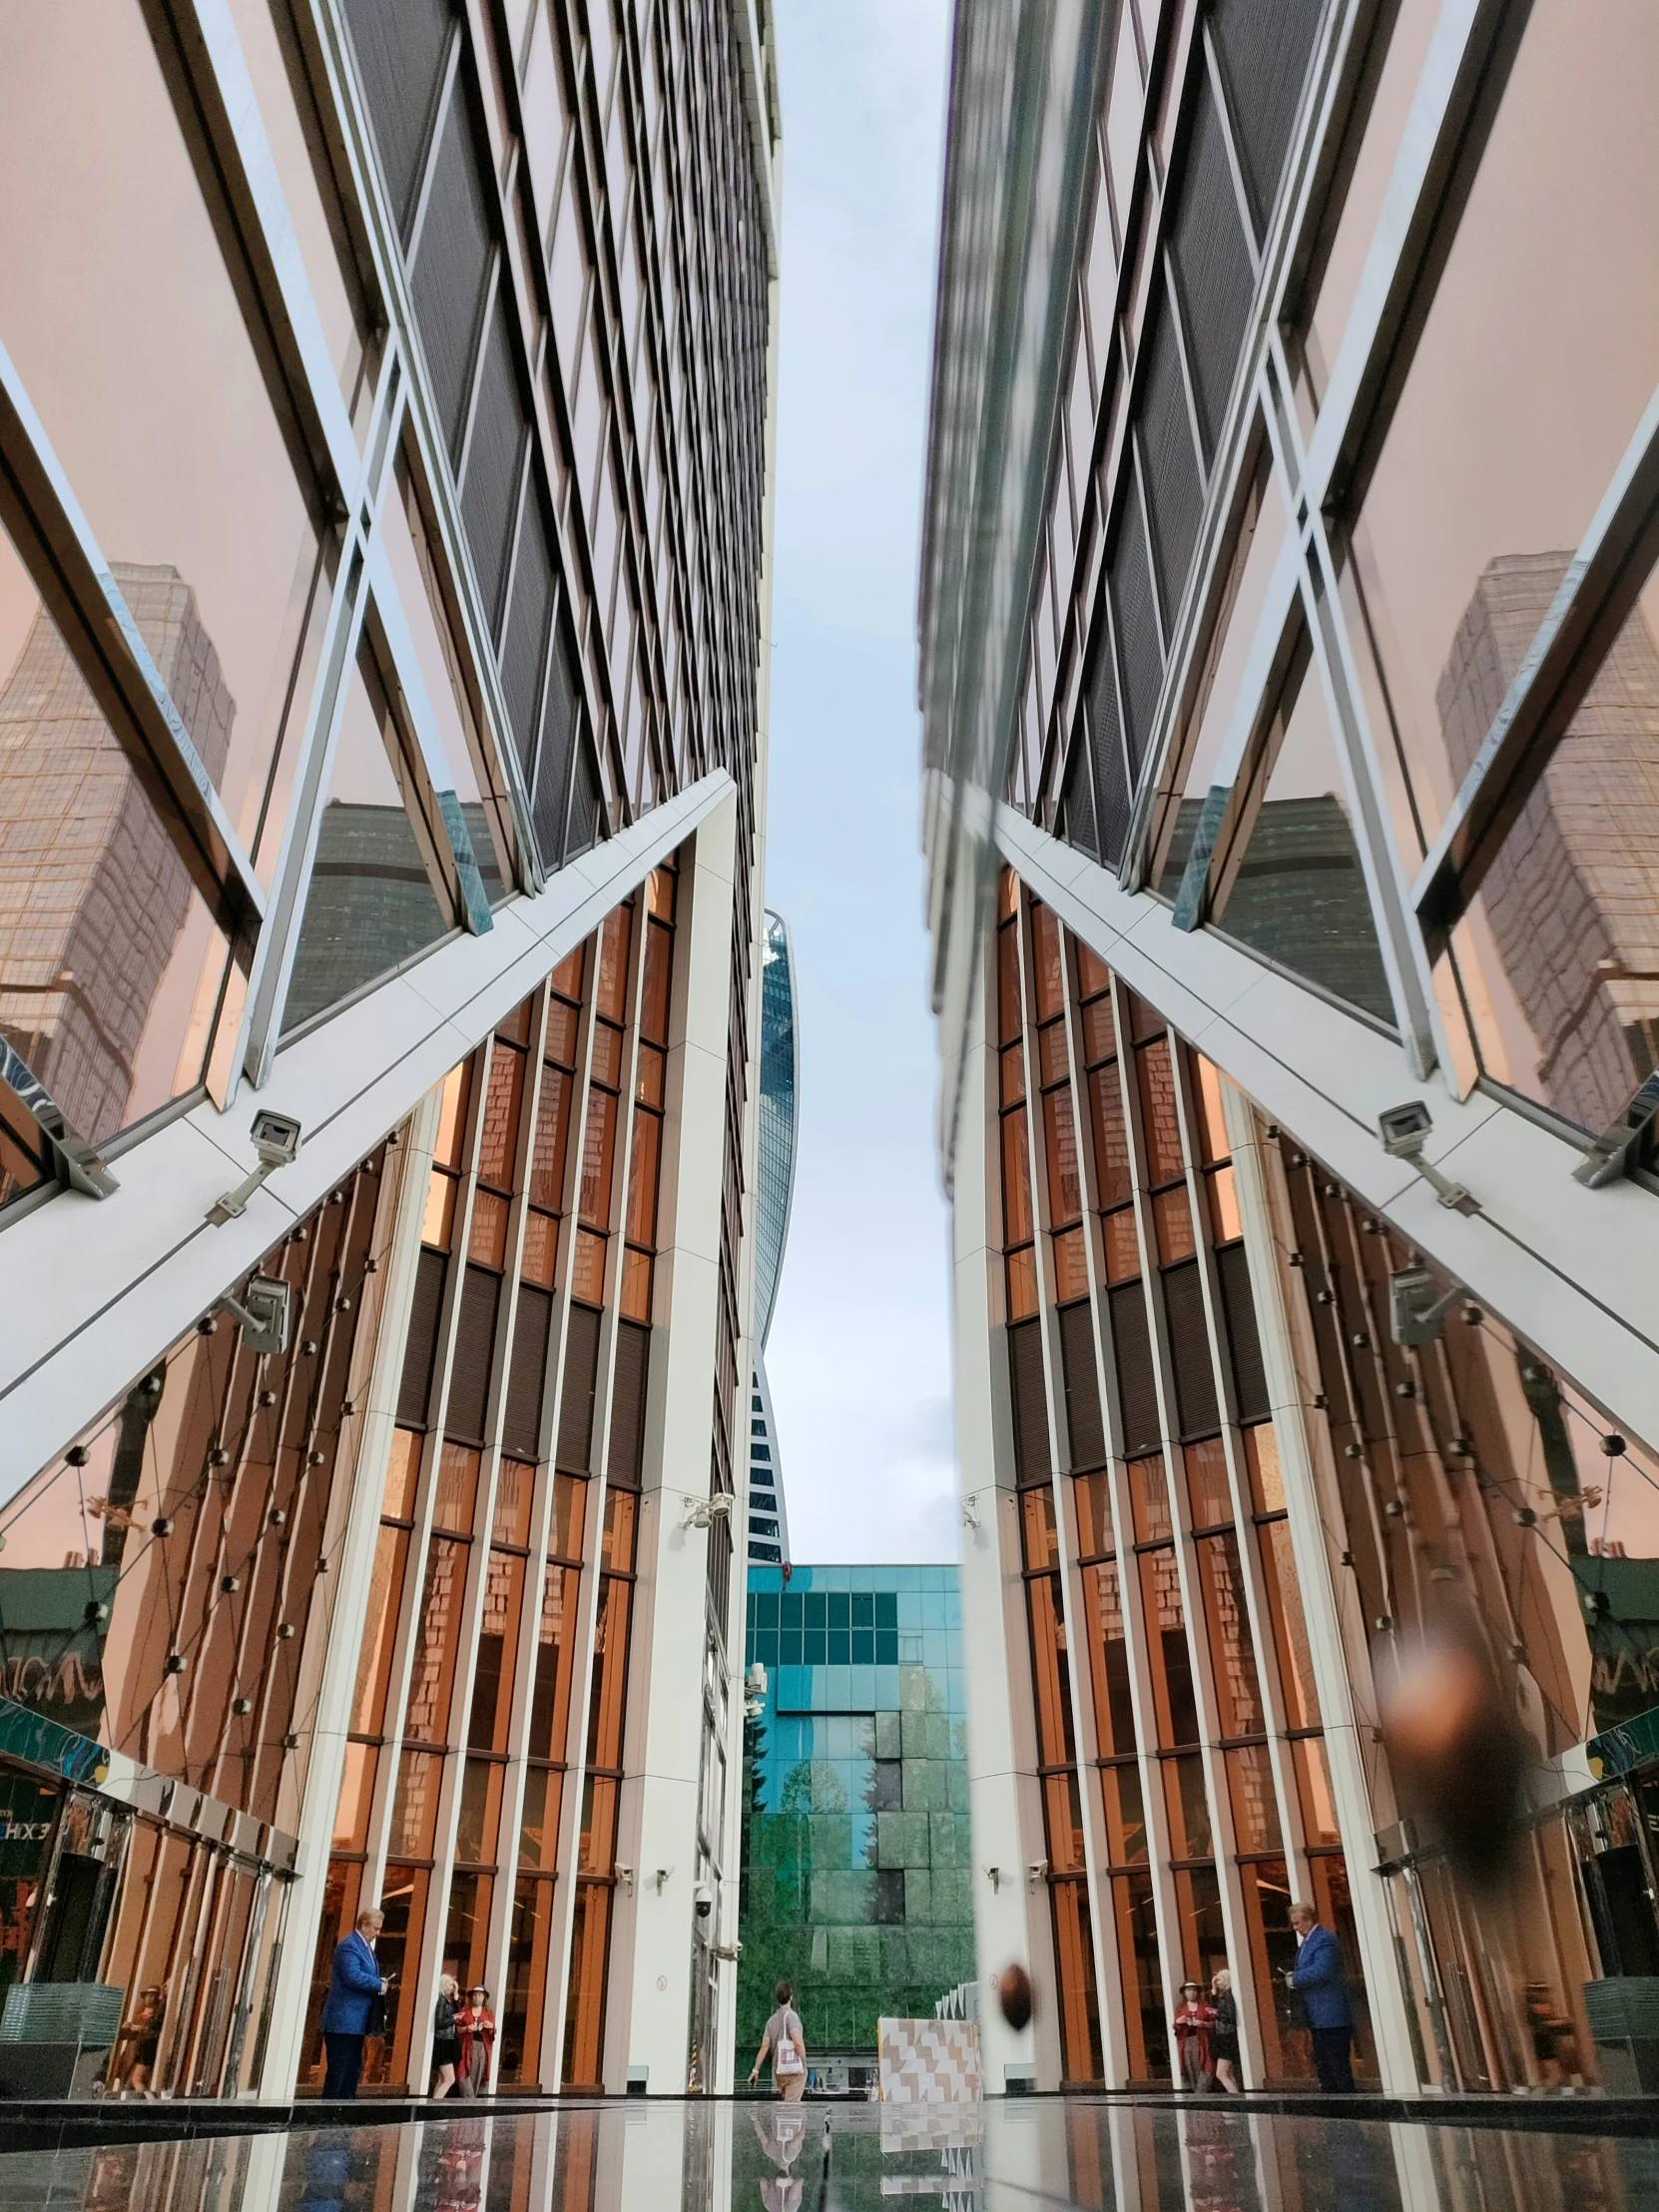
855	1847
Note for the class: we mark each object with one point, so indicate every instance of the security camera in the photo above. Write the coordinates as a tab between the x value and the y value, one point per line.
703	1897
1404	1131
276	1141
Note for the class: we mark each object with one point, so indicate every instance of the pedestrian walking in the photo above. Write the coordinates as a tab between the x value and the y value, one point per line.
787	2041
1194	2021
475	2024
357	1994
1224	2036
1318	1979
446	2042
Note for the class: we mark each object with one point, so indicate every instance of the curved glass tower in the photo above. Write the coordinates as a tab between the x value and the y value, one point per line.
779	1088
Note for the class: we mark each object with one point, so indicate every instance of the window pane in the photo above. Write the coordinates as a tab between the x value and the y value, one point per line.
1125	1815
1255	1807
436	1638
371	905
143	377
525	1997
1232	1647
1140	1961
538	1836
493	1682
111	966
1189	1807
478	1819
414	1805
1290	1628
1166	1637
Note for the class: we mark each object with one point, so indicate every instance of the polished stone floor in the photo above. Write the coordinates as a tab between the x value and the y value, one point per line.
1010	2157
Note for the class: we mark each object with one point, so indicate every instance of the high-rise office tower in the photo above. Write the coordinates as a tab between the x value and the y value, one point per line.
1289	691
384	575
769	1525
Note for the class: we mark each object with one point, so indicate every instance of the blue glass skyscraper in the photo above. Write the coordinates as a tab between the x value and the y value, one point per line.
779	1087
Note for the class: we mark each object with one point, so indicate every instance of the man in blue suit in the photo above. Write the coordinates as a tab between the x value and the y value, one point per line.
353	1984
1319	1979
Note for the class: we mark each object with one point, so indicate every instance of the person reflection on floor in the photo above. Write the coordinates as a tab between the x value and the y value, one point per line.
782	2129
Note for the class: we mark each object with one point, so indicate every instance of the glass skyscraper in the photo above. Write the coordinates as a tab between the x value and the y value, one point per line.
768	1527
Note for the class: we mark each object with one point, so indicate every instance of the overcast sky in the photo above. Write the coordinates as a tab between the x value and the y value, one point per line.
860	1353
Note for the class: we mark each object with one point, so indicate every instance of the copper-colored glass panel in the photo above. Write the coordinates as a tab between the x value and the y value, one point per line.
1013	1074
524	1999
1038	1533
616	1542
587	1274
610	1672
1212	1140
1208	1499
570	1501
1093	976
1022	1284
598	1157
466	1928
1100	1037
385	1591
1266	1480
641	1215
567	978
1052	1063
1108	1661
1198	1909
341	1889
1254	1806
654	989
403	1475
1290	1628
403	1895
1172	1218
414	1804
1313	1783
607	1054
1047	970
1071	1266
1079	1997
456	1498
478	1816
1122	1245
515	1489
633	1293
1232	1647
547	1153
1226	1222
451	1137
1156	1072
1007	983
437	1636
496	1653
1016	1179
651	1080
538	1835
1050	1672
1114	1170
357	1793
585	1997
550	1691
564	1028
1149	1499
1094	1514
659	890
611	988
1066	1181
1144	1018
1166	1635
541	1249
1188	1807
1063	1819
1140	1963
595	1839
1120	1790
516	1025
498	1139
438	1223
487	1239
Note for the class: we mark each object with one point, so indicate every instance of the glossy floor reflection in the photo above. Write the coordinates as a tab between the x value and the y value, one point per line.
815	2158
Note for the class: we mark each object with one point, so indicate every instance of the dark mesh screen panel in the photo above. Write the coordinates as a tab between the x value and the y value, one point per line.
1077	824
1265	47
399	45
558	735
1111	776
1238	1304
1032	1463
414	1390
633	1361
584	804
1140	649
451	264
1174	488
1137	1386
469	1373
1211	266
1189	1348
524	662
1088	1434
494	455
527	1373
576	1399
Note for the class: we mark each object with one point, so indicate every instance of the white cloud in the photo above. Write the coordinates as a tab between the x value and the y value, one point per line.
860	1358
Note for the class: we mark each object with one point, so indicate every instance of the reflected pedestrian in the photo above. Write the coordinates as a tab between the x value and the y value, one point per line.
355	1984
1224	2036
1194	2021
446	2042
787	2041
1318	1979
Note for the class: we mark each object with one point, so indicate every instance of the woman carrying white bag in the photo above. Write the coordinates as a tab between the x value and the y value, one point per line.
787	2044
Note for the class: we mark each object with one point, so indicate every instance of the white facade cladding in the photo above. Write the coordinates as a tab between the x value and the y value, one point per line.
1331	758
384	690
